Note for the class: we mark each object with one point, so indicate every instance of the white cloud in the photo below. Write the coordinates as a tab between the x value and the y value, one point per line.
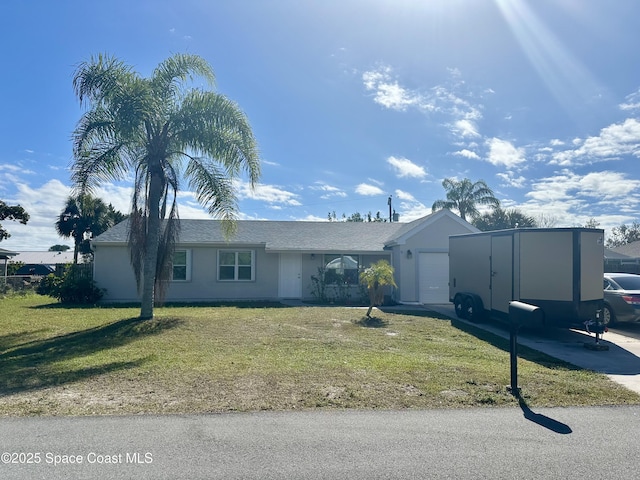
117	195
368	190
460	115
43	204
632	101
502	152
568	195
467	154
609	185
511	180
402	195
9	167
272	164
330	190
265	193
613	142
387	91
406	168
466	128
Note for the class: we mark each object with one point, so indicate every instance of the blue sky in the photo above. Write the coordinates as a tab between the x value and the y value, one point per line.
353	101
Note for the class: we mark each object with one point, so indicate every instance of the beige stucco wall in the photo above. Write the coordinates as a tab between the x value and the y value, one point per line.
113	272
433	237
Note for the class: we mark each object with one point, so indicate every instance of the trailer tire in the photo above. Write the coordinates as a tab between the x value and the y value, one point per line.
458	304
473	309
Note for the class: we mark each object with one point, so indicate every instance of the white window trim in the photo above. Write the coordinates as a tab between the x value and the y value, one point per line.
188	265
235	273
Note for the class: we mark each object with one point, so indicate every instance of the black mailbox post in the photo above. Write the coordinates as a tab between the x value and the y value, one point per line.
520	314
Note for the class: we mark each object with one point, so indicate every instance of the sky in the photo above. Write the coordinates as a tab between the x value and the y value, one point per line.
352	102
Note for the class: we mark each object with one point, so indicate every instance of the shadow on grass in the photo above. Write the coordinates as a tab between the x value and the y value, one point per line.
414	312
524	352
238	304
33	364
372	322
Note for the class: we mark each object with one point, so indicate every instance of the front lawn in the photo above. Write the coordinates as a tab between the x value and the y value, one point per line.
81	361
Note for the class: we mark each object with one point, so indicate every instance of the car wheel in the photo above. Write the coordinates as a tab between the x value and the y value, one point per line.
458	304
608	317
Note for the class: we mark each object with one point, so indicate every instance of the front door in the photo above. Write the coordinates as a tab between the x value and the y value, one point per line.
290	278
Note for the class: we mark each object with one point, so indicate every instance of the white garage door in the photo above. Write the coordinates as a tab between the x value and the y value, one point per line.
433	277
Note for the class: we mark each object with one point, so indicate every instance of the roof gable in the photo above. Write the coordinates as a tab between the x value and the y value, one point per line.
413	228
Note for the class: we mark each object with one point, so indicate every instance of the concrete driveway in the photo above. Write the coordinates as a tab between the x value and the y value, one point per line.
621	362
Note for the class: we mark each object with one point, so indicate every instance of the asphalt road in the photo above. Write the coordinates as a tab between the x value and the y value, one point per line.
581	443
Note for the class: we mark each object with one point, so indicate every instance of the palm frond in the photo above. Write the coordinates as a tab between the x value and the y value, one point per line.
99	78
213	126
166	249
172	72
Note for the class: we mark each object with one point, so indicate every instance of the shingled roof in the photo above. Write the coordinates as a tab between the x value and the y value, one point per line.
278	235
630	249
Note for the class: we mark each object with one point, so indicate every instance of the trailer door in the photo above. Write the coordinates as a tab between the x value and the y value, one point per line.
501	272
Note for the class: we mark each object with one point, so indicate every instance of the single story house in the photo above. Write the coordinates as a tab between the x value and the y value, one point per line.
278	259
625	258
41	263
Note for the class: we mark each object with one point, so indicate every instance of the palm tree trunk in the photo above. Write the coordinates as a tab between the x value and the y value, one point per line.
152	241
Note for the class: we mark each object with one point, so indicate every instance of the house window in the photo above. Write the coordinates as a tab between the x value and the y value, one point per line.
236	265
181	269
341	269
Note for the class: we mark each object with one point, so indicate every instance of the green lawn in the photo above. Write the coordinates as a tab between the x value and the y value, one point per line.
81	361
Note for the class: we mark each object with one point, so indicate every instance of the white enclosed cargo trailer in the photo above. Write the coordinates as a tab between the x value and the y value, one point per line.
559	270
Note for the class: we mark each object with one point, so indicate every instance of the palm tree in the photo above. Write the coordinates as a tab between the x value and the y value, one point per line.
82	215
161	130
375	278
463	196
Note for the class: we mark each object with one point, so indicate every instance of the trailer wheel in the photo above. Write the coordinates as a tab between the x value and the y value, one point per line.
458	304
472	311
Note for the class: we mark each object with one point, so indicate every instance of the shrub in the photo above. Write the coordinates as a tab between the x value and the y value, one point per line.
75	286
334	288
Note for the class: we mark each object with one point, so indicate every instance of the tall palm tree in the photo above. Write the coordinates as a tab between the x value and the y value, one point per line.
162	130
464	197
83	214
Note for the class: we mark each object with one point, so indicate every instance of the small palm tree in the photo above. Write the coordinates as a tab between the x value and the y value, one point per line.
160	130
464	197
82	215
375	278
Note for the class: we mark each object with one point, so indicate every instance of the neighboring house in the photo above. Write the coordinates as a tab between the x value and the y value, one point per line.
276	259
41	263
36	269
625	258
